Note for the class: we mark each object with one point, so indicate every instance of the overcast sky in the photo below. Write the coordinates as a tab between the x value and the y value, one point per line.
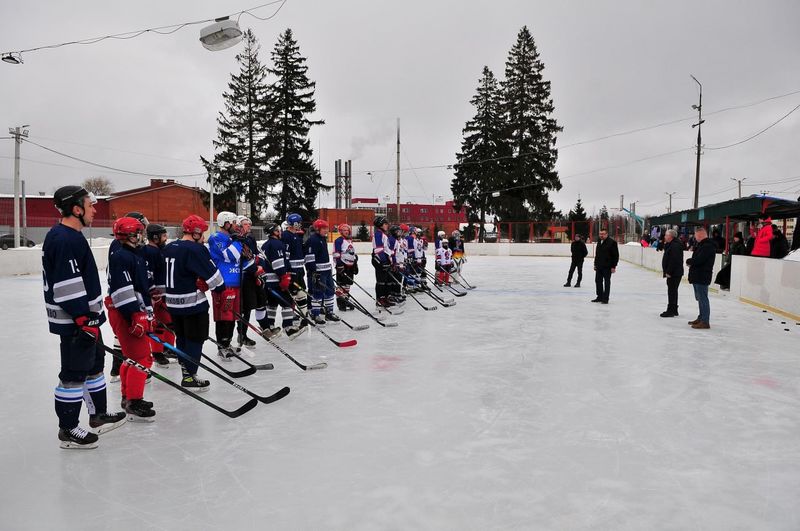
150	104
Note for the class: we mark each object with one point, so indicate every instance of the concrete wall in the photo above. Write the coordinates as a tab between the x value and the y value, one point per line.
29	261
522	249
649	258
768	283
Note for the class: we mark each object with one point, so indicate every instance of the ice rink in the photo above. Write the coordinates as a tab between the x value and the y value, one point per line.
522	407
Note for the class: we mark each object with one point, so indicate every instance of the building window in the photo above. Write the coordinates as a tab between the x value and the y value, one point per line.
423	210
405	211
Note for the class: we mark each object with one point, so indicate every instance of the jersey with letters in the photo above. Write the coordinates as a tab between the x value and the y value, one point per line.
155	266
71	280
295	252
276	264
227	256
381	248
344	253
317	258
128	282
444	256
184	262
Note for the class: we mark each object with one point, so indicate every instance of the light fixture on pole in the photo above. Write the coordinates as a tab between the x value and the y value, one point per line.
740	184
220	35
699	109
11	59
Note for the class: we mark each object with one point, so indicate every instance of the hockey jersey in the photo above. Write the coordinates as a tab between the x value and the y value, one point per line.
444	257
401	247
227	256
184	262
275	261
294	251
155	266
419	249
317	258
344	253
391	247
71	280
381	248
128	283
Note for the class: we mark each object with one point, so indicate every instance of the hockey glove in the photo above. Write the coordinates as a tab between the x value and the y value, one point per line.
201	285
286	279
261	276
141	324
156	295
89	325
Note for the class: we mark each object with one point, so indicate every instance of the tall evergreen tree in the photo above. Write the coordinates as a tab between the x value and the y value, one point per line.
578	214
484	154
290	103
240	163
531	130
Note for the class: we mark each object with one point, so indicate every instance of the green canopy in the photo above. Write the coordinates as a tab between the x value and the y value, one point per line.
743	209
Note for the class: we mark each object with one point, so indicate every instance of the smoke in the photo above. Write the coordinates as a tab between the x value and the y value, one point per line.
379	133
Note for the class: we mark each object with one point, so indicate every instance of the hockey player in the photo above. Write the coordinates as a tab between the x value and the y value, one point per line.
320	277
231	258
382	253
457	248
131	315
292	238
404	265
190	272
346	261
441	235
253	296
395	279
444	263
417	249
156	239
277	277
73	300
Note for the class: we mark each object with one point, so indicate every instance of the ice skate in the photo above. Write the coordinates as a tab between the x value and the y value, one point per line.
105	422
77	439
138	411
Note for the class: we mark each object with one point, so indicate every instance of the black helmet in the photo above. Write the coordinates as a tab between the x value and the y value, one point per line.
67	197
138	215
394	230
380	221
271	228
154	230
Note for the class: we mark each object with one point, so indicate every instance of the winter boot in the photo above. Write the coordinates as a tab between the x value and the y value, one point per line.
105	422
77	439
138	411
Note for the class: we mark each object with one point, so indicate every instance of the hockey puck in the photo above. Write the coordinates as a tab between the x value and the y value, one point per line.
769	318
763	311
783	322
786	329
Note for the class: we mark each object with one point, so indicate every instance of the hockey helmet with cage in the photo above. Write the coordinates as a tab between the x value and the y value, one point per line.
404	227
456	234
272	229
241	220
138	215
295	220
320	224
444	243
380	221
127	227
441	234
344	227
194	224
225	217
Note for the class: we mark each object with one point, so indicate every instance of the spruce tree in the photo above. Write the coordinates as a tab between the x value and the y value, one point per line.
484	155
578	214
363	232
531	130
240	163
290	103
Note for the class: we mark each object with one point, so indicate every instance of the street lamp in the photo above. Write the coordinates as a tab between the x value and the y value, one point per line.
699	109
220	35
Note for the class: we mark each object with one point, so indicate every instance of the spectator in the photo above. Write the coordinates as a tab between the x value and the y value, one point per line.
796	233
761	247
579	252
606	258
751	241
701	265
779	245
672	267
719	240
724	275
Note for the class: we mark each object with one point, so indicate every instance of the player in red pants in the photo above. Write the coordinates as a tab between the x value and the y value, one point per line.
131	315
444	263
157	273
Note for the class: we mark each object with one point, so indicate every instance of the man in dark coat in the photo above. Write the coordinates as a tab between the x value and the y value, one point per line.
701	266
672	267
606	258
579	252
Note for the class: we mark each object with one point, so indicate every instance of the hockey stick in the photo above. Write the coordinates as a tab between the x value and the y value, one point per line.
426	308
340	344
263	399
250	404
256	329
360	307
396	311
443	302
464	281
455	292
348	325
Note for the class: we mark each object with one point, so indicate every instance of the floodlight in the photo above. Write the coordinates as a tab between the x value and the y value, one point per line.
220	35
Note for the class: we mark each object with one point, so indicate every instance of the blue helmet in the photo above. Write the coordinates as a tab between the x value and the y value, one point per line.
295	220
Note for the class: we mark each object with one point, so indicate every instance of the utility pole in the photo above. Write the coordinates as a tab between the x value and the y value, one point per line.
699	109
18	133
398	170
670	194
24	214
740	184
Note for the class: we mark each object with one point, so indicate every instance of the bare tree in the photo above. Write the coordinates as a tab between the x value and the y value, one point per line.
98	185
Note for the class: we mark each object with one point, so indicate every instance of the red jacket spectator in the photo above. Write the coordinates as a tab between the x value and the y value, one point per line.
764	237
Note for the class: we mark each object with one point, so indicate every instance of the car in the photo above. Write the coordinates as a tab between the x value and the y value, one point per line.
7	240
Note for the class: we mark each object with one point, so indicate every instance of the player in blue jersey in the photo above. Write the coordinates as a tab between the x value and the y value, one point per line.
320	276
292	238
382	262
395	274
253	296
156	239
130	313
73	300
231	258
190	272
277	278
346	261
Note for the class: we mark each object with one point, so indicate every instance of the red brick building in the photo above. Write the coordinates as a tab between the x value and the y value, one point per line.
444	217
164	201
41	212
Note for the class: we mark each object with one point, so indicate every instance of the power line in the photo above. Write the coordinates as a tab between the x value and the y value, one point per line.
757	134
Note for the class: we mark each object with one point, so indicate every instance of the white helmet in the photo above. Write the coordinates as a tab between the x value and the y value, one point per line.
456	234
442	234
225	217
243	219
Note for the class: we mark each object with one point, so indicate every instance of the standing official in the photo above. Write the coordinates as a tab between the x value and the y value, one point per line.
672	268
579	252
606	258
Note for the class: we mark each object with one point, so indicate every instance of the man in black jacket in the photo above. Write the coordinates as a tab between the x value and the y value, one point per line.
606	258
701	265
579	252
672	267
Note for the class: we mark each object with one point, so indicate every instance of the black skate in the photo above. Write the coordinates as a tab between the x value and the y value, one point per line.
77	439
341	303
245	341
193	383
124	403
138	411
319	320
269	333
294	331
160	359
332	317
105	422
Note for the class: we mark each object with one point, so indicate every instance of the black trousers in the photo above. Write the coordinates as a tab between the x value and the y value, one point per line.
602	280
576	264
672	293
382	288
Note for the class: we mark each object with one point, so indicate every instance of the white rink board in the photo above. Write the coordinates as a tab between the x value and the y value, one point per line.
523	407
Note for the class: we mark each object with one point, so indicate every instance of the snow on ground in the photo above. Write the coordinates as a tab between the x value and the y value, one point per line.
523	407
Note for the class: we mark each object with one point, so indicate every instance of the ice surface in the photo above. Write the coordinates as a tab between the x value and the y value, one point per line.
523	407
